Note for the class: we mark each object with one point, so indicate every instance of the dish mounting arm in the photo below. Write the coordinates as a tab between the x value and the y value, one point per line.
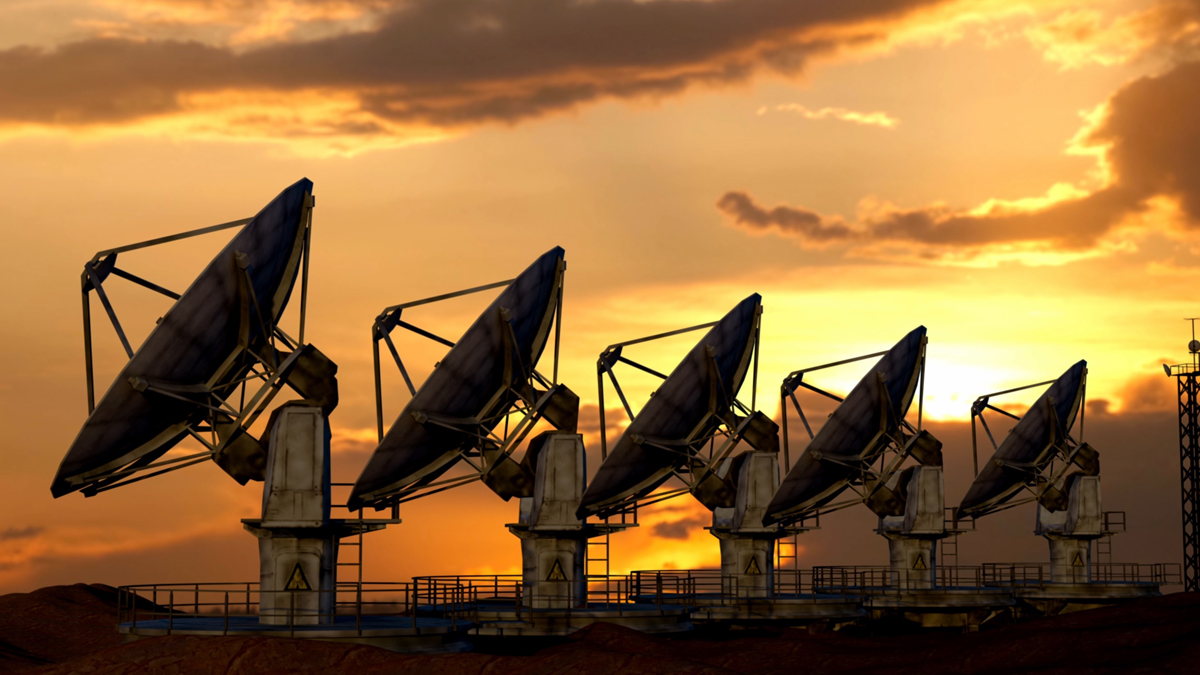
480	442
1062	445
728	425
222	421
890	434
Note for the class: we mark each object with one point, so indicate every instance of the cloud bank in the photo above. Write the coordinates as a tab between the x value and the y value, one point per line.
428	64
1146	138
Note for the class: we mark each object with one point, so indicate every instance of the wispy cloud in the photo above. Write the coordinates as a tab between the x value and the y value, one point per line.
875	119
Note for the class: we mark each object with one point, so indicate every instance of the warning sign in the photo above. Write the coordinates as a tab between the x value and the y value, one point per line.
556	572
752	567
1078	561
297	581
919	565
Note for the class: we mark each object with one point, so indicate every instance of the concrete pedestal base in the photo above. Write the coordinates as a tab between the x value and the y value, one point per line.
298	569
913	561
1070	559
748	562
552	564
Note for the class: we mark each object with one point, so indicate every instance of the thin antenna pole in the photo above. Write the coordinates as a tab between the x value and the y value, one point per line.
754	382
603	435
1083	405
378	383
974	446
304	277
87	351
787	462
558	323
921	400
1195	355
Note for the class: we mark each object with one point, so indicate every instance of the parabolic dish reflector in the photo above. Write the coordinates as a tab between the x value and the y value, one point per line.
1027	444
468	384
853	433
190	345
678	410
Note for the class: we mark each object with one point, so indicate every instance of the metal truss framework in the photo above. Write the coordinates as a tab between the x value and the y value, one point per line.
1045	472
229	413
892	428
1189	475
527	410
698	467
1188	395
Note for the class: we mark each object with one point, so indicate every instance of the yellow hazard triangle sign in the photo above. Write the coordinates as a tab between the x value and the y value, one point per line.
752	567
920	563
556	572
297	581
1078	561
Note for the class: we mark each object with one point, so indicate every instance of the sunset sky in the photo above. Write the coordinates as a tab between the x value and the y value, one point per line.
1019	177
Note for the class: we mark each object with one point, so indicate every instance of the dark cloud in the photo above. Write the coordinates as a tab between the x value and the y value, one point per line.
453	62
678	529
806	225
1099	406
1148	392
1150	138
16	533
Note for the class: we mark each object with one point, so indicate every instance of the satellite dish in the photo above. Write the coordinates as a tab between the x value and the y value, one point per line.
858	429
465	396
689	405
224	325
1029	445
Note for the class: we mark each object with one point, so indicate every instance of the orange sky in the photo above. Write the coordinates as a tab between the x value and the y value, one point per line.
1018	177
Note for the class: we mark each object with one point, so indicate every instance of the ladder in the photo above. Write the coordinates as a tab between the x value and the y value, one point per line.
1114	522
787	551
948	547
949	551
340	547
597	552
355	543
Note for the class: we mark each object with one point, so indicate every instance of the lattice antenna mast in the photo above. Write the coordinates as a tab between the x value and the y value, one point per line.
1188	394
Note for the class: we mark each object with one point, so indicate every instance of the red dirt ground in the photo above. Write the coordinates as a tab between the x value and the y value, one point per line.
69	629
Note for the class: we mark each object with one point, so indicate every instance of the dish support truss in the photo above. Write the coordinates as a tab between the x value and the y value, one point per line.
488	453
228	420
890	447
700	473
1044	473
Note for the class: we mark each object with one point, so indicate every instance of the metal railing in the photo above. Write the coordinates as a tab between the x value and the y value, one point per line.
1182	368
1114	521
691	585
214	606
501	592
1025	575
876	579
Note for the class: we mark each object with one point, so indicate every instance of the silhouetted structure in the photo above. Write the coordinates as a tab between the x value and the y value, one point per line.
1189	459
